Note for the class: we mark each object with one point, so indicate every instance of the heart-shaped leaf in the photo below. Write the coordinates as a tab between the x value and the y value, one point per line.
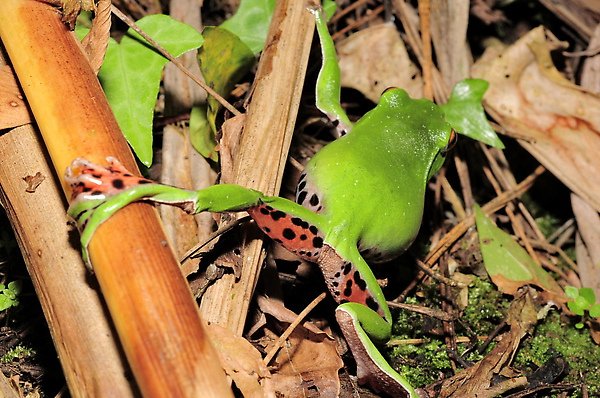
131	76
465	113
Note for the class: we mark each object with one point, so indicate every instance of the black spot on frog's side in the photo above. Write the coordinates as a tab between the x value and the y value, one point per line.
277	215
117	183
372	304
362	285
289	234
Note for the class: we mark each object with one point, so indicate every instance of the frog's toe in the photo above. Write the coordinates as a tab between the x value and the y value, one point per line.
89	180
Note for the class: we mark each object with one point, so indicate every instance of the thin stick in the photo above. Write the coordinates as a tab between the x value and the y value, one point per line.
346	10
437	276
222	229
177	63
419	309
290	329
357	23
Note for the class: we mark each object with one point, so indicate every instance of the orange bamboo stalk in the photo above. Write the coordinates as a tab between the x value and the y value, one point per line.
153	311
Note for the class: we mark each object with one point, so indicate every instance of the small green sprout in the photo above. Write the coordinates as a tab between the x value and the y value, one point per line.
583	299
9	295
16	353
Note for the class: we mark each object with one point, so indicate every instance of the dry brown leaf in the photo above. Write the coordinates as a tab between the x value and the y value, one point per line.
228	146
592	5
587	246
449	22
379	42
242	362
307	365
483	10
276	309
578	16
95	42
590	71
476	381
72	8
560	120
13	109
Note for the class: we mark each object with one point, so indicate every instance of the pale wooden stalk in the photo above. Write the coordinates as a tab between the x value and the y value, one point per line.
83	336
151	306
264	145
182	166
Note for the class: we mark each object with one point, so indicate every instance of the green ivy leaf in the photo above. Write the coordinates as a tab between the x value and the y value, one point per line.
465	113
224	60
507	263
595	311
201	134
251	22
131	76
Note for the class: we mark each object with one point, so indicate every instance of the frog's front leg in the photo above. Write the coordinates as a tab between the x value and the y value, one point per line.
99	192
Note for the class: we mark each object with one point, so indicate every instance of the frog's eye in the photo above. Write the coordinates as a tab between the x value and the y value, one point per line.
451	143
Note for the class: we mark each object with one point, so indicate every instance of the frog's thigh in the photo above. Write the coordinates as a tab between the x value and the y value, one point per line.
296	228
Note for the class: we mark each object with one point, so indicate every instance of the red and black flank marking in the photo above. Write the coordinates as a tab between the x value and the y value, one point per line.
295	234
347	285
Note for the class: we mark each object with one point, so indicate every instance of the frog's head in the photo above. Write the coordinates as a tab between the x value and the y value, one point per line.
417	130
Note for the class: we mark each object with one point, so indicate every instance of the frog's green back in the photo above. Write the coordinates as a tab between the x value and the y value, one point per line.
372	181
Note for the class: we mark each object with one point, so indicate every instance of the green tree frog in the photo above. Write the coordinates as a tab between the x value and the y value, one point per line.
360	198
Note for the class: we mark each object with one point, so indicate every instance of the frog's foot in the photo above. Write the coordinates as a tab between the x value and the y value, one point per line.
99	192
90	181
371	368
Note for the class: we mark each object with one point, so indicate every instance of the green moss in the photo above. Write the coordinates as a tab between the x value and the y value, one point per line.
421	364
553	337
487	307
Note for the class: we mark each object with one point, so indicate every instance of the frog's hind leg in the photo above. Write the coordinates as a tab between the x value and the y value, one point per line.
296	228
363	316
371	367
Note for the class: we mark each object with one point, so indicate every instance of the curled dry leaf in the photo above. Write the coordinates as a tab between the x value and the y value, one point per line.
276	309
242	362
13	109
95	42
559	120
379	42
229	145
307	365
